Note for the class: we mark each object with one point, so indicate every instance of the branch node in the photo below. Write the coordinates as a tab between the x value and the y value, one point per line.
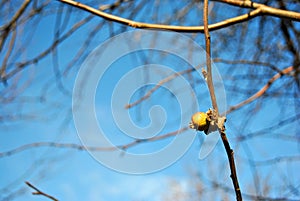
204	73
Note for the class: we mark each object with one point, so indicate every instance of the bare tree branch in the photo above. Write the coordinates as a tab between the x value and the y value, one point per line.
260	10
264	10
175	75
38	192
262	90
90	148
208	59
49	50
229	151
158	85
8	53
6	28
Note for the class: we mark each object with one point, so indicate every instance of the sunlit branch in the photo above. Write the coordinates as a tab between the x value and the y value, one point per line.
264	10
208	59
225	23
229	151
6	28
8	53
39	192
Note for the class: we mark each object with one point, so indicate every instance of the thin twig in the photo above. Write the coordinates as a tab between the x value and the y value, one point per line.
248	62
38	192
158	85
230	155
262	90
8	54
6	28
229	151
149	93
225	188
112	6
208	60
260	10
137	141
72	30
17	15
264	10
